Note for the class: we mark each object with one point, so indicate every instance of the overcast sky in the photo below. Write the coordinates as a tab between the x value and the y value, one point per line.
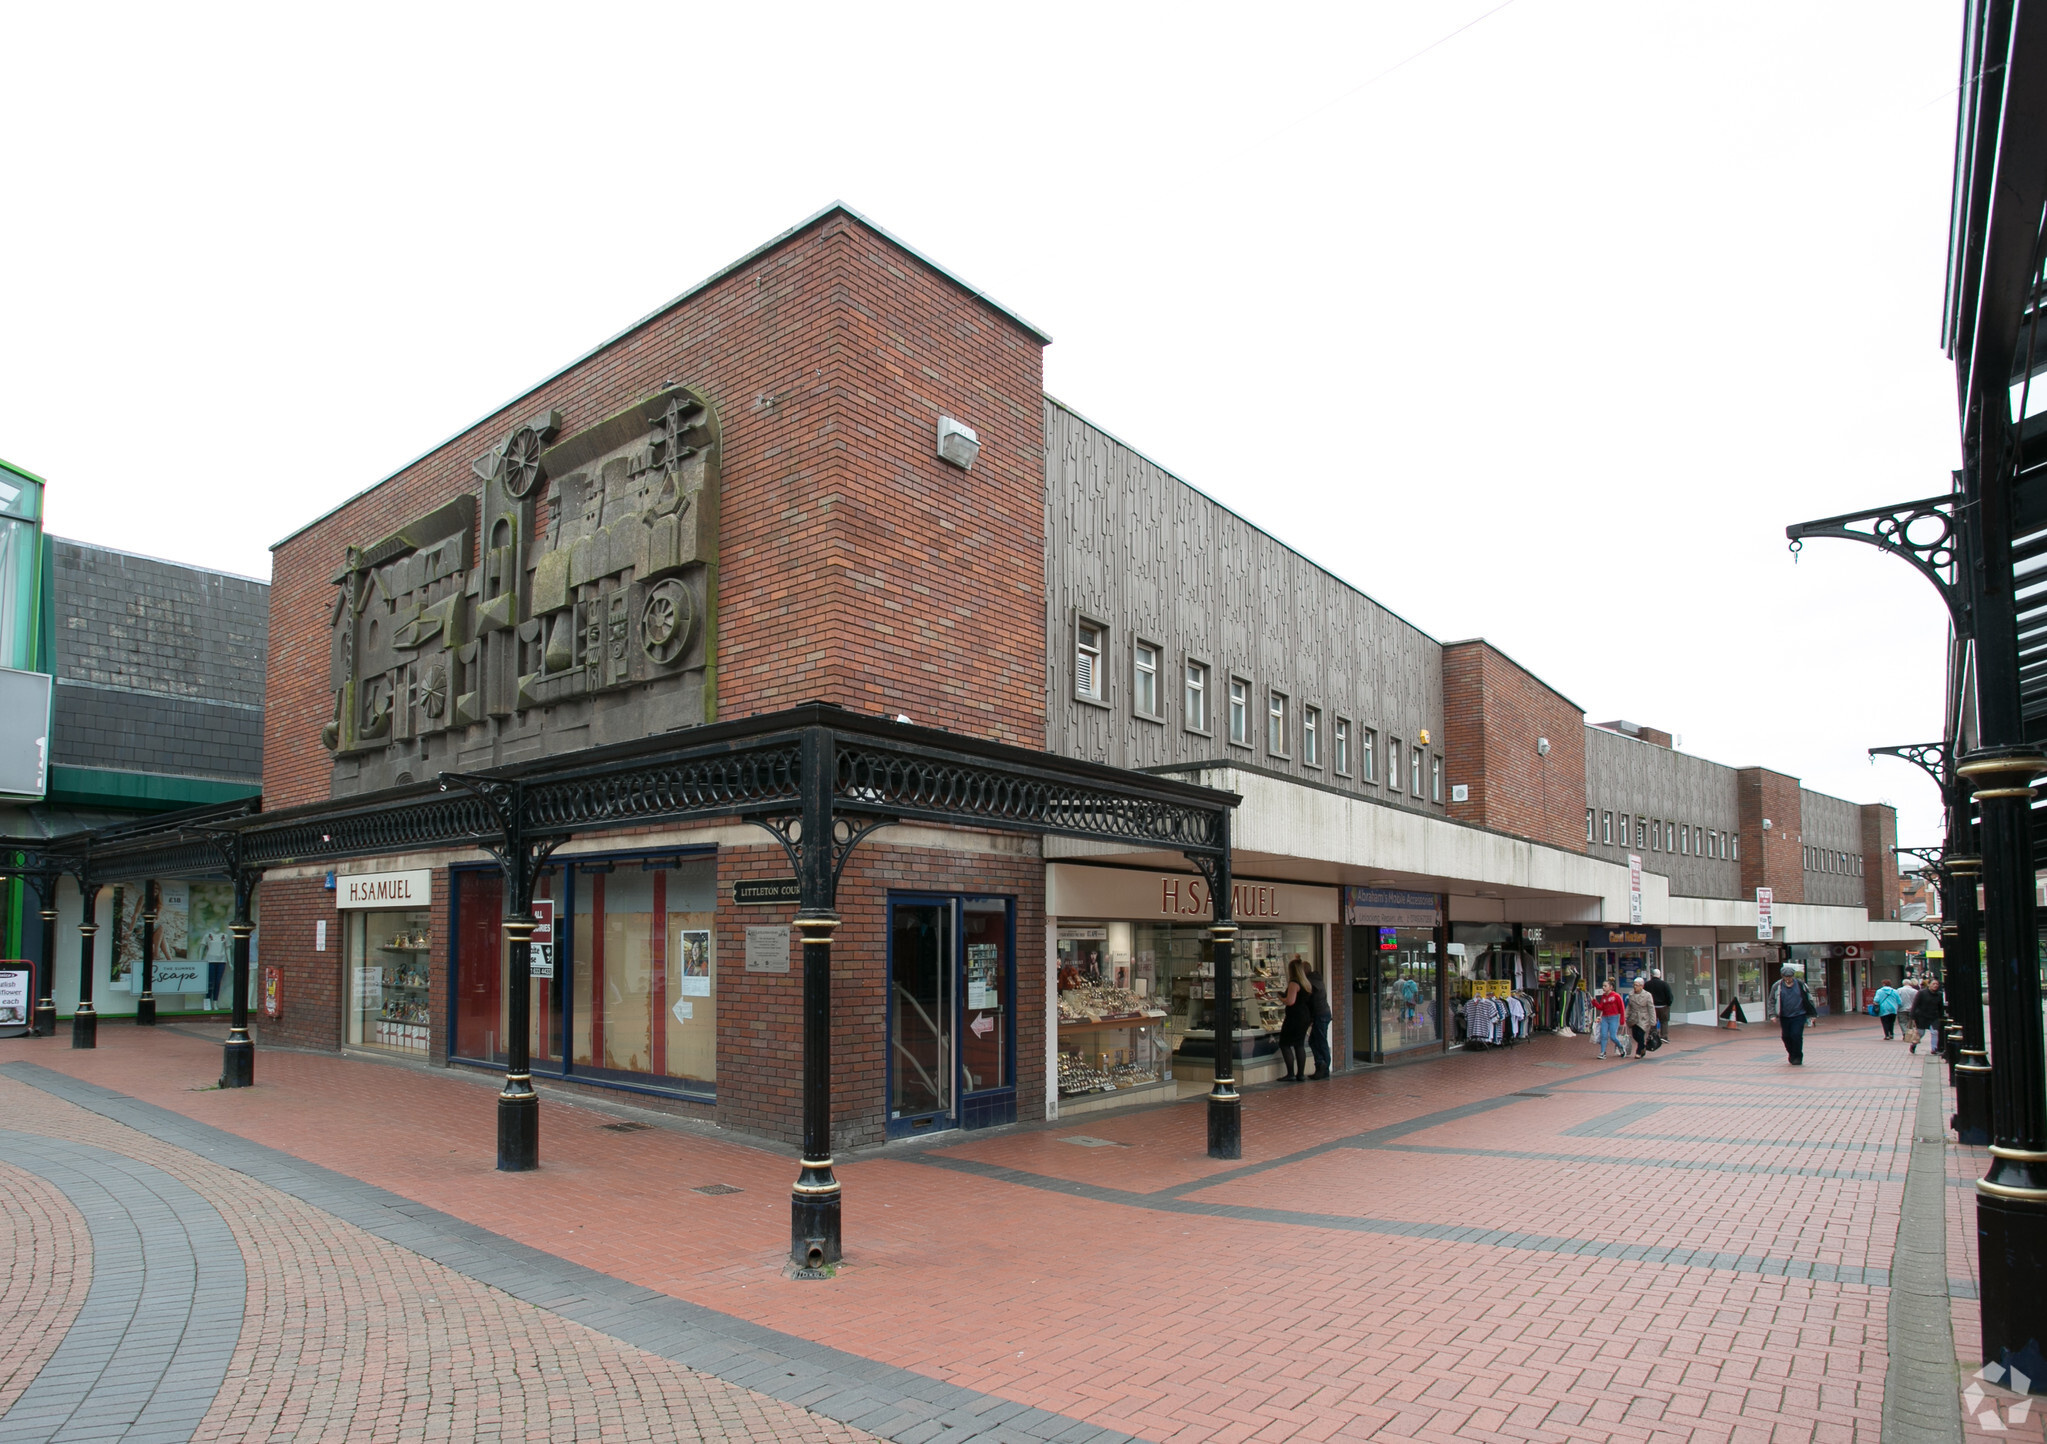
1537	322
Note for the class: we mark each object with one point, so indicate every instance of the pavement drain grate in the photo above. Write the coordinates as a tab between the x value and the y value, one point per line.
625	1127
1087	1142
715	1189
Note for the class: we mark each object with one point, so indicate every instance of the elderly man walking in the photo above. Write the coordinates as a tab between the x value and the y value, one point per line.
1794	1007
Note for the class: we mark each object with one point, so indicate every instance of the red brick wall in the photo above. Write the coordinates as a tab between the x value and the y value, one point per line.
760	1019
1879	863
1773	859
1494	712
290	910
855	566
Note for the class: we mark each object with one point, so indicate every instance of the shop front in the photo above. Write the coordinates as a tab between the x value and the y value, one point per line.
951	1012
1688	961
1396	972
1742	981
1134	988
387	960
1620	955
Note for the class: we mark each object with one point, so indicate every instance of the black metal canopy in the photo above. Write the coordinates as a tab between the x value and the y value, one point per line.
752	768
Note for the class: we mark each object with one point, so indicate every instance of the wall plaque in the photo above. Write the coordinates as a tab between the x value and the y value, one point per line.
767	950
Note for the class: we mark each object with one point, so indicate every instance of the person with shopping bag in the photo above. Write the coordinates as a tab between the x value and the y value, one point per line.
1885	1005
1609	1006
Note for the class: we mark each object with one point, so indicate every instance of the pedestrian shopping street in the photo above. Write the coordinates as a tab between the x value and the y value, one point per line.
1526	1243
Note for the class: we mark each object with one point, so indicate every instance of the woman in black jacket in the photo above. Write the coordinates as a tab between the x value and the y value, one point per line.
1927	1011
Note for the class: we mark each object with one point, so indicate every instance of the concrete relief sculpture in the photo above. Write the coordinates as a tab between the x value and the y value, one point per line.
598	627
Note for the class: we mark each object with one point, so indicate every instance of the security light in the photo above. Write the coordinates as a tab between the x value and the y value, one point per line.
957	443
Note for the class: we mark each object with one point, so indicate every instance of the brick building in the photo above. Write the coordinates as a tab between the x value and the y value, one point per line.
830	473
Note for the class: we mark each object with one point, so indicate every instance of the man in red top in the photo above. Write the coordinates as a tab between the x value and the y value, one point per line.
1610	1006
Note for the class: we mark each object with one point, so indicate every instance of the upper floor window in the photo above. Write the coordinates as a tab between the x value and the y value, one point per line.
1588	825
1368	761
1684	840
1145	680
1436	777
1606	828
1393	763
1197	697
1340	744
1641	833
1656	837
1414	770
1087	661
1275	724
1311	736
1240	712
1734	847
1624	829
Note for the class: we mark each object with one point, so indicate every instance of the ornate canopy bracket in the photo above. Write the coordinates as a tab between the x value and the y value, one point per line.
1926	533
1935	759
518	855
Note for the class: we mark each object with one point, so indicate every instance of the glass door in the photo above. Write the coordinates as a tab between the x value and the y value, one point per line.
922	997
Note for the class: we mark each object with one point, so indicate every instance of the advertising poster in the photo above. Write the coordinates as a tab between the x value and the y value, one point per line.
695	981
17	981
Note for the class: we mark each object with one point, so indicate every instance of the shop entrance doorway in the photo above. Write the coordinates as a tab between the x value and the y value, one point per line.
951	1013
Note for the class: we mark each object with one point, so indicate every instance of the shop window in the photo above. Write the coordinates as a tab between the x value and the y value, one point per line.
1240	712
1340	745
644	983
1606	829
1276	724
1436	777
1087	661
1145	681
1368	762
1311	736
1197	697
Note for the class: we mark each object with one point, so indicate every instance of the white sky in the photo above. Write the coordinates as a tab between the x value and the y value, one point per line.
1543	336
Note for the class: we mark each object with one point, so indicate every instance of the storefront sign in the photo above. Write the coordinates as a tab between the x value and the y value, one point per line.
1599	937
1634	889
385	890
178	975
766	892
1390	908
17	987
1765	924
767	950
1076	891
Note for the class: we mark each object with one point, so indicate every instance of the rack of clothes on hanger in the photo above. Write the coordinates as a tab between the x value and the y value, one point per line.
1496	1022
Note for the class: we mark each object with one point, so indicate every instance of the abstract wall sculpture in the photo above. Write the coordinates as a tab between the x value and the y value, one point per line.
596	627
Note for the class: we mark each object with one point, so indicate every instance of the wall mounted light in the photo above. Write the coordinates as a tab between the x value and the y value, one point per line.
1766	824
1542	747
957	443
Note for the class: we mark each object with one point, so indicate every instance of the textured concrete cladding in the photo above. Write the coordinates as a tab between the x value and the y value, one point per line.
1831	833
128	731
152	626
1137	551
1643	780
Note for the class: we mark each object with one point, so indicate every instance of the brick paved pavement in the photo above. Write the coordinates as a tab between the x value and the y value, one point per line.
1524	1244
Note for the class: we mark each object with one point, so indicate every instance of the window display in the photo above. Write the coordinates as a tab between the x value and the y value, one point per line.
1112	1031
388	962
645	986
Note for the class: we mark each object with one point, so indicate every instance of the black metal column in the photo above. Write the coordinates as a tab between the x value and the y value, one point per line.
238	1055
814	1200
85	1022
2011	1203
145	1005
1225	1104
518	1103
46	1000
1964	984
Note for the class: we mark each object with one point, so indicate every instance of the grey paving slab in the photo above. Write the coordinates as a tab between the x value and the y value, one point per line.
773	1363
1922	1393
151	1344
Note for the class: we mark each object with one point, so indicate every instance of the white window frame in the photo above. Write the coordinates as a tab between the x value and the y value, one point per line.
1395	783
1734	846
1340	745
1435	777
1414	772
1087	660
1591	825
1311	736
1368	755
1192	687
1239	721
1606	829
1684	839
1138	673
1278	723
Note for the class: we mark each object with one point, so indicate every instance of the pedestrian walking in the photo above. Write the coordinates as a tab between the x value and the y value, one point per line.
1320	1014
1294	1024
1641	1018
1927	1008
1609	1006
1656	988
1794	1008
1907	991
1886	1003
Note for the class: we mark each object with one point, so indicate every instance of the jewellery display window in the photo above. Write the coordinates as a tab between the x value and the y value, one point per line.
1176	964
388	970
1112	1017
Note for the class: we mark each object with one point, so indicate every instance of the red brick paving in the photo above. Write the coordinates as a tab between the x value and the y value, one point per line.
45	1269
1189	1327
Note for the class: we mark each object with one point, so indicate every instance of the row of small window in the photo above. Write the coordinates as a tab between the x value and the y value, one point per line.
1654	835
1147	701
1818	859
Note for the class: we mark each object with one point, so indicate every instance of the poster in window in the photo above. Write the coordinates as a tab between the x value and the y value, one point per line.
983	976
696	963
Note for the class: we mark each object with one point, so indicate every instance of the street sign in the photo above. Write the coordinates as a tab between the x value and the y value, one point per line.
1634	889
1765	925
